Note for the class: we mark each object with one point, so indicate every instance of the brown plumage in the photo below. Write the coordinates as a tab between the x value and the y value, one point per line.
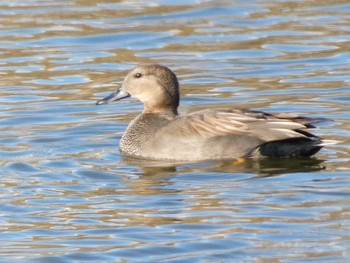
160	133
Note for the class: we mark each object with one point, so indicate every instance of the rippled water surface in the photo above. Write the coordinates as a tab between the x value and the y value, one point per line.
66	194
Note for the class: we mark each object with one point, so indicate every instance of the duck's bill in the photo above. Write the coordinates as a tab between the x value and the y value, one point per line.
116	95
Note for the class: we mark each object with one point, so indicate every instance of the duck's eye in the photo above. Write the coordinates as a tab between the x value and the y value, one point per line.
138	75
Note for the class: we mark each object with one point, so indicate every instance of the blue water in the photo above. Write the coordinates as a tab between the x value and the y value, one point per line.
67	195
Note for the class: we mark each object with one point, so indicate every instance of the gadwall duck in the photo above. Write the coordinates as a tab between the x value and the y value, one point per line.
159	132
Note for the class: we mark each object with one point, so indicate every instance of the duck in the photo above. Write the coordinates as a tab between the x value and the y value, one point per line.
161	133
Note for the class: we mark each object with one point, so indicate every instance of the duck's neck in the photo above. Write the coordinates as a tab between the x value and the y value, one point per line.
161	110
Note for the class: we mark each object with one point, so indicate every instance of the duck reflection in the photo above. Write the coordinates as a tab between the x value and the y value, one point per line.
259	167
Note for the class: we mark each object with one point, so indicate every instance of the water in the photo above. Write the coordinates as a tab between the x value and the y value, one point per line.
67	195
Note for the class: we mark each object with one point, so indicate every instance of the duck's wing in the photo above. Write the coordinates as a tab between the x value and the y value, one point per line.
306	121
266	127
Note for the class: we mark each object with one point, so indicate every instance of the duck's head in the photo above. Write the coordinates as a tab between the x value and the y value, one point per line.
154	85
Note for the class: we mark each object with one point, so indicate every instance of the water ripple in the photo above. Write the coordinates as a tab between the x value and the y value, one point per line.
68	195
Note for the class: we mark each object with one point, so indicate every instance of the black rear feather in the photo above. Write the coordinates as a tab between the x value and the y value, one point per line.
303	146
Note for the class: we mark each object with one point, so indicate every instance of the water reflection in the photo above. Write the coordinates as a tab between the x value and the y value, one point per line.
67	194
260	167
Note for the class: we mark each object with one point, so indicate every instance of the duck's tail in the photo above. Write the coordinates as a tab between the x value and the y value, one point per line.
328	142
